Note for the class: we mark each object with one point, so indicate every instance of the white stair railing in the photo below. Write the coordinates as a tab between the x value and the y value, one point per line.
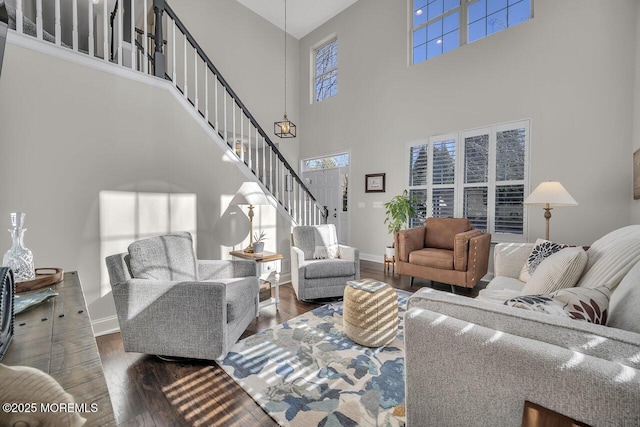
183	62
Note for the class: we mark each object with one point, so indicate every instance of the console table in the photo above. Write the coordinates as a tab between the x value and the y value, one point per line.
268	263
56	337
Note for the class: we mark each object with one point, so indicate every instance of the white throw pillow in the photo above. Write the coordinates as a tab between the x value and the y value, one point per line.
558	271
541	250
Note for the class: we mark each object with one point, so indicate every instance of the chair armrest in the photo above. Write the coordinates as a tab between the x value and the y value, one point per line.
226	269
508	258
461	249
172	318
479	250
349	253
514	368
407	241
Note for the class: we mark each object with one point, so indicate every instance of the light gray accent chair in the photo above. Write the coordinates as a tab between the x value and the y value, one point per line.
171	304
314	278
474	362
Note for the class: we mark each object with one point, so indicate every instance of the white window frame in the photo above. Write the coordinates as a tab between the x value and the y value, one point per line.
491	183
313	57
463	25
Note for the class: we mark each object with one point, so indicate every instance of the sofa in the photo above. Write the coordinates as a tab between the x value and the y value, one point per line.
475	362
445	250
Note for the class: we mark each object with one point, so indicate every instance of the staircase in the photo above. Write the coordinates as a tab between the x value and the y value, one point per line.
179	59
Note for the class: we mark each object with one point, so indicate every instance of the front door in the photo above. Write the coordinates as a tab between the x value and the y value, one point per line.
326	187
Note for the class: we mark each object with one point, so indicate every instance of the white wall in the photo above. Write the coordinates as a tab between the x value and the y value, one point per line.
68	131
570	70
635	205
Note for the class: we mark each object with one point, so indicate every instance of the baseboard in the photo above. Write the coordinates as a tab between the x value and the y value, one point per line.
372	258
105	326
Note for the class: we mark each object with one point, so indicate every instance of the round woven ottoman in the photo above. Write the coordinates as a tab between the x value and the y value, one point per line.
370	318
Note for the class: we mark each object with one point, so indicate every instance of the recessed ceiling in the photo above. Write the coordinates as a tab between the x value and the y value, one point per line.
303	16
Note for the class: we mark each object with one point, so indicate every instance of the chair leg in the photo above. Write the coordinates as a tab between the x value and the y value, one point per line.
411	282
453	289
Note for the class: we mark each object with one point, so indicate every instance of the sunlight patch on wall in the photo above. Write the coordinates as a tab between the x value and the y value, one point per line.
127	216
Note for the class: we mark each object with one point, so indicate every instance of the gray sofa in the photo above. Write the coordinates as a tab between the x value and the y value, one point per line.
171	304
473	362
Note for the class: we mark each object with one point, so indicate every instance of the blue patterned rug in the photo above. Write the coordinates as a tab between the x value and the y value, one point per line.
307	372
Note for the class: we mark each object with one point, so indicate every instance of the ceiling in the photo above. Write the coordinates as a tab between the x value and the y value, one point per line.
303	16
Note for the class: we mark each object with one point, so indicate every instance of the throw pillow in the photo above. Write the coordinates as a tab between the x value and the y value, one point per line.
541	250
590	305
560	270
326	252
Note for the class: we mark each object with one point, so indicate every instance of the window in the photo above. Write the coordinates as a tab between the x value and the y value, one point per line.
326	70
438	26
479	174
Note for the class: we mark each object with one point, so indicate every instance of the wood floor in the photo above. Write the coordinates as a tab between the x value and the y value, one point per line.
146	391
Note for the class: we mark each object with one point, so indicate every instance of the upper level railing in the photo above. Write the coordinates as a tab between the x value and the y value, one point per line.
117	37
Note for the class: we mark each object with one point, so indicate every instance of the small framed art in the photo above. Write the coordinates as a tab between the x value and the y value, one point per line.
374	183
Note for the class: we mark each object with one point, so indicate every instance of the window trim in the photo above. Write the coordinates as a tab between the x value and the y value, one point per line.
312	65
491	183
463	25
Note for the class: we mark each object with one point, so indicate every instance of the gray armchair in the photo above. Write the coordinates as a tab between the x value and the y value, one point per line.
320	267
171	304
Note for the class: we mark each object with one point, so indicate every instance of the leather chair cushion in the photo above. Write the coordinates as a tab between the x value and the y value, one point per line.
321	268
441	232
432	257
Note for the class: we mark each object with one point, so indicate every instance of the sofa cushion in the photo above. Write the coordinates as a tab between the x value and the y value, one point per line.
590	305
441	232
317	269
431	257
560	270
541	250
623	308
169	257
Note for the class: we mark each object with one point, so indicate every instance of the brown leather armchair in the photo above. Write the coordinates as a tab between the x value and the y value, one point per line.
446	250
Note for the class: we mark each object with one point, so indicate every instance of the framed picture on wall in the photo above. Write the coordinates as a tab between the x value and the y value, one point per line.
636	174
374	183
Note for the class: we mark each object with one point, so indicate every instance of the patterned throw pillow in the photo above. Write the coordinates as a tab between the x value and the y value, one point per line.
589	305
558	271
541	250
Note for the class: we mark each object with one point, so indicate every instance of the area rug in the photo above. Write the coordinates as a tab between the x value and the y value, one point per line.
307	372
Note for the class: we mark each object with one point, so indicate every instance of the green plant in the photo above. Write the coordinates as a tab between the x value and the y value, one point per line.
399	210
259	237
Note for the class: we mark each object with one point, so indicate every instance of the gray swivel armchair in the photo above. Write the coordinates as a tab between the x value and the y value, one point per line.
320	267
171	304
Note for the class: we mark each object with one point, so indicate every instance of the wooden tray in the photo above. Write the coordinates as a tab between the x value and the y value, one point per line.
44	277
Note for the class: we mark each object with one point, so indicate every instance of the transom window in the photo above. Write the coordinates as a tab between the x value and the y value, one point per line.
439	26
479	174
326	70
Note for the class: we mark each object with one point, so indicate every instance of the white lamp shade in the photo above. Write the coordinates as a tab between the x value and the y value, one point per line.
551	193
249	193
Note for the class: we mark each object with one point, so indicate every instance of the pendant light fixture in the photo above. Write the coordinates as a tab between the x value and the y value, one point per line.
285	128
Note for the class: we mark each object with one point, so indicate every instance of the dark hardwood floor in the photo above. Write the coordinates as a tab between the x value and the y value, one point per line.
146	391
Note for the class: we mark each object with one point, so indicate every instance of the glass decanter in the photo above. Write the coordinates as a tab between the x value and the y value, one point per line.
19	258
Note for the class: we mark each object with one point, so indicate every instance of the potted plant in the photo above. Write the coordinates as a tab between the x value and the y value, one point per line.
399	211
258	242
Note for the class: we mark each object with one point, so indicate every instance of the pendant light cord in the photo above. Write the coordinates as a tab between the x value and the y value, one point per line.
285	57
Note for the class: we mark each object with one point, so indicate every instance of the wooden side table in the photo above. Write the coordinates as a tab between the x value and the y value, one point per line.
390	261
268	263
56	337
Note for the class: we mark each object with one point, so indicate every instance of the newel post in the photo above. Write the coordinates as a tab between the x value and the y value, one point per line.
158	55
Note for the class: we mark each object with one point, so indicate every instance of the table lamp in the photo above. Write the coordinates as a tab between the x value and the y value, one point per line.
548	194
250	194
